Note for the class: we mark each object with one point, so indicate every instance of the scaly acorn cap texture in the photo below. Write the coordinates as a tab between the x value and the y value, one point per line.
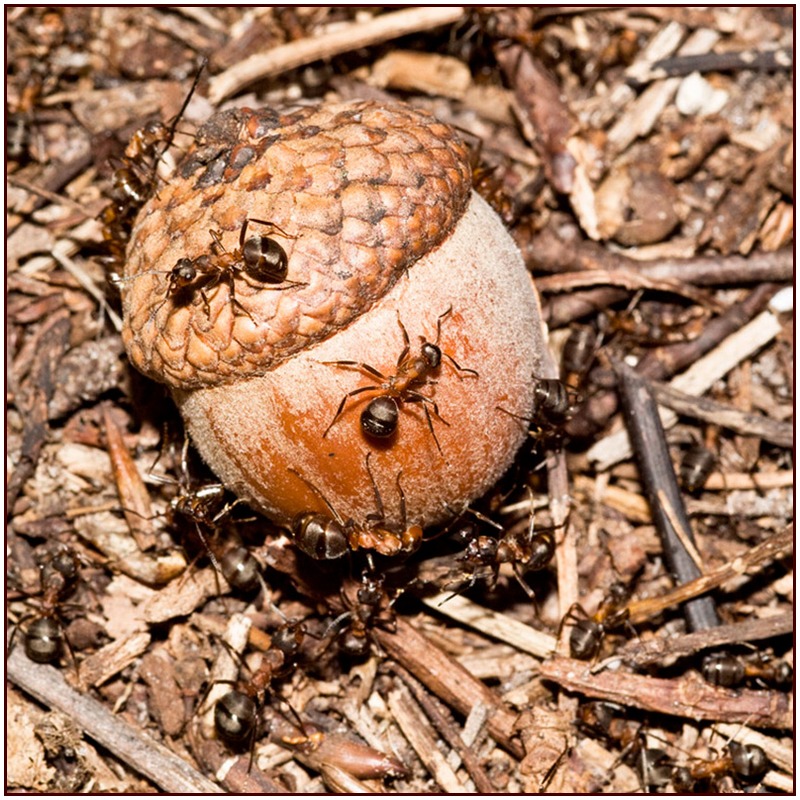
381	232
366	189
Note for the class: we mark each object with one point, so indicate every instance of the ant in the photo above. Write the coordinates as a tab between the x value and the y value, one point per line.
588	631
525	550
747	763
44	638
258	257
578	354
379	419
134	183
236	713
696	465
606	720
206	506
323	537
368	605
553	407
728	670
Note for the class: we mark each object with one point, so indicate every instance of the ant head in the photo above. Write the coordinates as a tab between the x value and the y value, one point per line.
432	354
184	270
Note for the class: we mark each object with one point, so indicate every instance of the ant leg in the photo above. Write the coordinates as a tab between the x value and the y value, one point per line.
357	365
342	404
234	302
273	227
459	367
378	499
406	341
242	233
439	323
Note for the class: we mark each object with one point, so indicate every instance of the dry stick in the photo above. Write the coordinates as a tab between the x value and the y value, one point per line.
499	626
411	721
446	726
136	749
633	281
550	251
695	380
133	495
688	696
750	562
448	680
562	309
341	40
663	493
659	651
665	361
744	422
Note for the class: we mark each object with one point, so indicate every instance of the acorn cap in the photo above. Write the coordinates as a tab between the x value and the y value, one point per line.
361	192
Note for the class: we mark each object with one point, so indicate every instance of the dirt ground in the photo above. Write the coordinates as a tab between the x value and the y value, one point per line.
643	160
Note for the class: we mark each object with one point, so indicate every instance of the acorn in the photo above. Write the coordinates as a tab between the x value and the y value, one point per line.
321	284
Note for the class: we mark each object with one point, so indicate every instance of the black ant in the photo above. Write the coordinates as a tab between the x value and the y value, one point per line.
44	638
331	537
368	605
135	182
728	670
379	419
236	713
553	407
606	720
588	631
525	548
697	464
746	762
206	506
578	354
259	257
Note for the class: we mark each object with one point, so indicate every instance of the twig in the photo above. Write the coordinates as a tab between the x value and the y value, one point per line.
749	562
688	696
342	40
97	668
662	362
448	680
136	749
744	422
499	626
551	250
695	380
664	650
663	494
633	281
760	60
410	719
446	727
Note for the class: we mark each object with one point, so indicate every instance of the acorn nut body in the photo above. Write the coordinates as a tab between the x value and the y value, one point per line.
389	259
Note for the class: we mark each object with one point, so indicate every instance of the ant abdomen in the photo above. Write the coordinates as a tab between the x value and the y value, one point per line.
319	537
380	417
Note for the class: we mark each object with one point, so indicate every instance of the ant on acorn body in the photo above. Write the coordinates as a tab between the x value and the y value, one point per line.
379	419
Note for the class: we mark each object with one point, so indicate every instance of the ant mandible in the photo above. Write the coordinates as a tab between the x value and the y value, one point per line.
379	419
